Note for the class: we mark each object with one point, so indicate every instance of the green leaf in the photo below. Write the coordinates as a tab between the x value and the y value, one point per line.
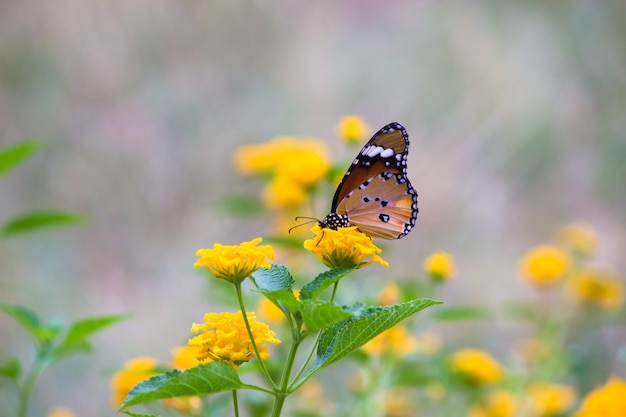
82	329
276	283
31	221
11	156
311	290
11	368
461	313
321	314
240	206
27	318
138	415
203	379
344	337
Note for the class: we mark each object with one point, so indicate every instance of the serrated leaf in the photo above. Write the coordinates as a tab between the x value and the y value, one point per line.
35	220
344	337
203	379
11	156
26	317
321	314
11	368
276	283
460	313
311	290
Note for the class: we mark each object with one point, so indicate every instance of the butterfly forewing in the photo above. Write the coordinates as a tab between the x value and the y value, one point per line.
386	151
375	194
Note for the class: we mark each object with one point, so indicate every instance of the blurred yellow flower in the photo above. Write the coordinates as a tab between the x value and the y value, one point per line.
345	247
599	288
235	263
580	238
134	372
395	341
305	168
398	402
544	265
476	366
224	337
60	412
440	266
185	357
352	129
390	294
282	192
428	343
500	403
608	400
267	311
551	399
266	157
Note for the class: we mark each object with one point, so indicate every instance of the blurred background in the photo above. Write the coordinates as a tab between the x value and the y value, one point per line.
516	113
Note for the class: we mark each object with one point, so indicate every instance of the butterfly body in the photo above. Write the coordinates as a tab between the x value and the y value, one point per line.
375	194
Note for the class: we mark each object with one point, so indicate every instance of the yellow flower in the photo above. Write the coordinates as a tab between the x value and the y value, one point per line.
269	312
396	341
134	372
476	366
580	238
352	129
185	357
265	157
224	337
60	412
344	247
608	400
596	287
304	167
283	192
235	263
544	265
500	403
390	294
551	399
440	266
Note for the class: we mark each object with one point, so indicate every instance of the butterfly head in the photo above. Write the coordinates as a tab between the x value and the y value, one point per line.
334	220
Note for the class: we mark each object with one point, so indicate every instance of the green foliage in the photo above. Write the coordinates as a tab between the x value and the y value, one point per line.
321	314
314	288
40	219
13	155
276	283
204	379
451	313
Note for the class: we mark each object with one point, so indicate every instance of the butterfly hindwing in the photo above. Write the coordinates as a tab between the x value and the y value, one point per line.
385	207
375	194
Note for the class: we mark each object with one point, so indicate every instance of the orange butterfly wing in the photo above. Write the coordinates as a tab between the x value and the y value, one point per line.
375	194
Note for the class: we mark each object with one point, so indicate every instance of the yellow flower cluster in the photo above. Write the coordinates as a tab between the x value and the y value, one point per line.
224	337
134	372
396	341
294	163
544	265
608	400
499	403
597	288
235	263
352	129
551	399
476	366
440	266
345	247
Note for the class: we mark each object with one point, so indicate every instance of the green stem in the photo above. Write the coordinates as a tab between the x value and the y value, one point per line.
295	383
283	391
235	403
249	329
29	382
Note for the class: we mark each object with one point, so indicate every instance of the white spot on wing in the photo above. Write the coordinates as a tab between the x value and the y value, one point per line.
386	153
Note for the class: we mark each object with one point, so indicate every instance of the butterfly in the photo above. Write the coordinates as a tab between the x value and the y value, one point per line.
375	194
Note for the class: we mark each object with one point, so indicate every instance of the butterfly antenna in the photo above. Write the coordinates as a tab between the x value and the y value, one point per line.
310	220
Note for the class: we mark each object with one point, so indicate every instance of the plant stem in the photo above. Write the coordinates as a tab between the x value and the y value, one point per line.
249	329
29	382
235	403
